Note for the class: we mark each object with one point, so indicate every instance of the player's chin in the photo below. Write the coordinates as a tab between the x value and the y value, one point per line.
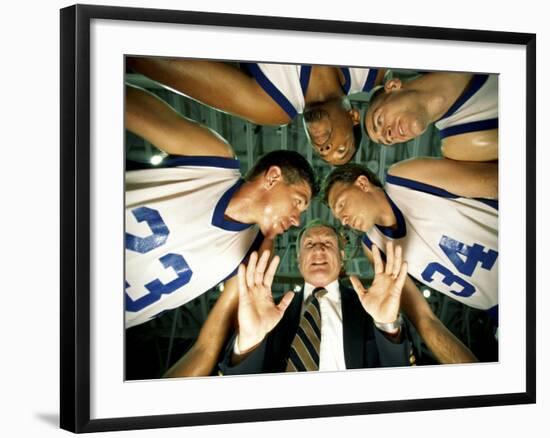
273	231
359	224
417	127
335	161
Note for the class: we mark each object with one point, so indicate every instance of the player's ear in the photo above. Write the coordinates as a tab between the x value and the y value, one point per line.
363	183
393	85
355	116
272	177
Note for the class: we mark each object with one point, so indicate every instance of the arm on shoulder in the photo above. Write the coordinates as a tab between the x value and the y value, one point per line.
472	146
217	84
446	347
462	178
157	122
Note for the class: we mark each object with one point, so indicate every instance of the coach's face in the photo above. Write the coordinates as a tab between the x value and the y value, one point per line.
320	258
283	203
330	129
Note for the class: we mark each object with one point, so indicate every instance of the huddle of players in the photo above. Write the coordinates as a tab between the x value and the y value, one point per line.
198	218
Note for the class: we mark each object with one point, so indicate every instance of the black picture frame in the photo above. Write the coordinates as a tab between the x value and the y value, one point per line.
75	217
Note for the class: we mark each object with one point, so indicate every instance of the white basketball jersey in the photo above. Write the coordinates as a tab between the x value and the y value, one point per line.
450	243
358	80
178	242
287	83
476	110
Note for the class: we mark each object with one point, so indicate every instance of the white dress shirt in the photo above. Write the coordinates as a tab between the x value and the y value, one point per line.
331	355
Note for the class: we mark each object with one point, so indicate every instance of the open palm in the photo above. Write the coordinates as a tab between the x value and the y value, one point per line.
258	314
382	299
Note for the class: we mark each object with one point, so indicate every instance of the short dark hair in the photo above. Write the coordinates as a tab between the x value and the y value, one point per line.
357	129
314	223
294	167
348	174
376	93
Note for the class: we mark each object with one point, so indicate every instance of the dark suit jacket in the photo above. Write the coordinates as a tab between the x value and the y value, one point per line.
364	345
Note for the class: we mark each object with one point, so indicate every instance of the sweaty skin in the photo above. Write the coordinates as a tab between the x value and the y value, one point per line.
403	111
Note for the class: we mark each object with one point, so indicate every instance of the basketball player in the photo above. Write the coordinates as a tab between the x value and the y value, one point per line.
443	213
464	107
191	221
274	94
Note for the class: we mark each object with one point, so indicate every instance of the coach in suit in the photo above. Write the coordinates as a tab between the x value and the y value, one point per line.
326	326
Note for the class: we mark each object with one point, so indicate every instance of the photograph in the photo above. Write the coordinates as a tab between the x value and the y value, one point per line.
294	217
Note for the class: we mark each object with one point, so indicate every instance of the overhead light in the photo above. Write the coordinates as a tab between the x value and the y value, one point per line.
156	159
426	293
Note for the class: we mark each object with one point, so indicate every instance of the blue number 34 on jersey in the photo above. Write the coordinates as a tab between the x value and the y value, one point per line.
466	259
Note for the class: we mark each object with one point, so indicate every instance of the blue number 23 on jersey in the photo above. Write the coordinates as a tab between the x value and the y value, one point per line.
157	238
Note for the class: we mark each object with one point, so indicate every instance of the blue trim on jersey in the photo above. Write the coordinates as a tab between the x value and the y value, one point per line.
346	86
371	79
305	76
254	247
432	190
419	187
473	87
223	162
490	202
271	89
218	217
401	227
480	125
366	240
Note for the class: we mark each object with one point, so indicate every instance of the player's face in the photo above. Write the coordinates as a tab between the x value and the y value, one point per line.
396	117
330	129
283	206
352	206
319	259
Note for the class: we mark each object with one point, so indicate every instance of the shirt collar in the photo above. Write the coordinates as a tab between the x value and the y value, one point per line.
333	290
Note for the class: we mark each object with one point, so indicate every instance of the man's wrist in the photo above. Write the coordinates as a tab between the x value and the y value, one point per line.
392	328
241	348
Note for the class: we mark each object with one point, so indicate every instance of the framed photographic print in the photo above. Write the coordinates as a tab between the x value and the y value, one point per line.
193	142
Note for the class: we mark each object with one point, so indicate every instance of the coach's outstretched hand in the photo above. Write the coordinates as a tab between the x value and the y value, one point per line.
258	313
382	299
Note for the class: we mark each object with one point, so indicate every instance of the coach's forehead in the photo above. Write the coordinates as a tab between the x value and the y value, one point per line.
318	231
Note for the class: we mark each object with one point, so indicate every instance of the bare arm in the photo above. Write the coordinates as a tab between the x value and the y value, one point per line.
153	119
445	346
201	359
472	146
221	86
469	179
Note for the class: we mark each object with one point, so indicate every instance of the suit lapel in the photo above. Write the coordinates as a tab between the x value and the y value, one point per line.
288	327
353	321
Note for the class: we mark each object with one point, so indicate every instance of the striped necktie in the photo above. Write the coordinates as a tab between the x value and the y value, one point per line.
305	347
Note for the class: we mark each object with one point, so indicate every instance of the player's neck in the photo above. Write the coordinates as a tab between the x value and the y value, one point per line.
242	206
440	91
324	84
386	216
